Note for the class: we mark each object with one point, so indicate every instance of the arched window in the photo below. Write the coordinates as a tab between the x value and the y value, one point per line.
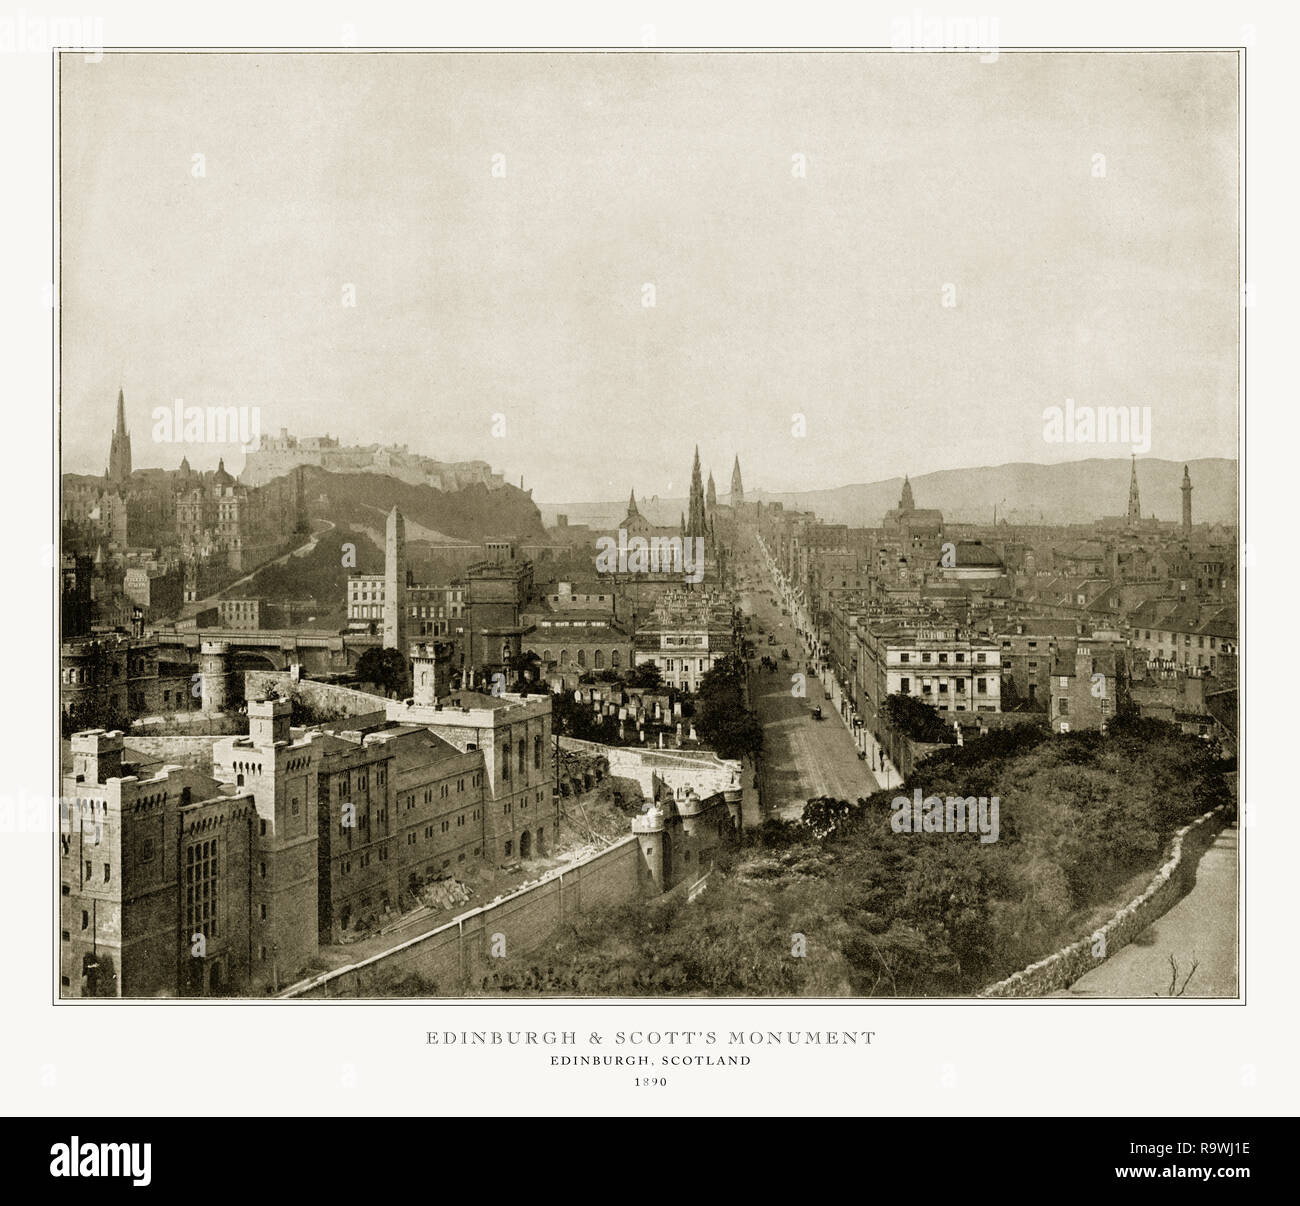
546	656
598	659
582	657
614	660
564	657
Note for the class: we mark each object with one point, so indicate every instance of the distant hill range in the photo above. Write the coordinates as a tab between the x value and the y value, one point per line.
1071	492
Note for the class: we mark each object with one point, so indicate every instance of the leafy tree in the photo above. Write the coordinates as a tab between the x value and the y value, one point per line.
93	714
721	718
916	719
825	816
386	667
647	676
526	669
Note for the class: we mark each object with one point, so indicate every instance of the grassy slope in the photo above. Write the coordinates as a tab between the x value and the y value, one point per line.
357	503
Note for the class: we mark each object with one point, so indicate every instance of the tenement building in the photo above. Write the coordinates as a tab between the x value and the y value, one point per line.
1090	682
686	636
947	667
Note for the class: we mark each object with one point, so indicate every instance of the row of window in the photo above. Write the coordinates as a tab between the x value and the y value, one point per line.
410	841
958	658
580	657
981	687
1172	638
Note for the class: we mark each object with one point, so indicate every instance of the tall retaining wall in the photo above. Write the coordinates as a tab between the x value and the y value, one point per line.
1168	886
325	696
457	957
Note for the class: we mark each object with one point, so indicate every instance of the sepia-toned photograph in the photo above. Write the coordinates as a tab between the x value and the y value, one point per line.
648	524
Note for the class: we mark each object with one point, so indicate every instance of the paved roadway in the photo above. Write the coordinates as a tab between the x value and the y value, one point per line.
1201	928
802	757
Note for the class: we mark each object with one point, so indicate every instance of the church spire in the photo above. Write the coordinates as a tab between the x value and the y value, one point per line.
1134	503
695	524
907	502
119	451
737	486
631	503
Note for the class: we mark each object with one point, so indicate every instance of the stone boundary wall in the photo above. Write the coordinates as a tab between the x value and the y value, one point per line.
705	772
1166	888
457	956
318	695
190	724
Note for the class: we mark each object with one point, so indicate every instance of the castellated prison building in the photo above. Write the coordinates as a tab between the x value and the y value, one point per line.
146	861
177	883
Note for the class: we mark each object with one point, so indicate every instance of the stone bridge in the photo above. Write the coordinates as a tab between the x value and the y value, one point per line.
270	649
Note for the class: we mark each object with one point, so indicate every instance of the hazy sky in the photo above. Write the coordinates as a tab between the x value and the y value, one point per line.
774	295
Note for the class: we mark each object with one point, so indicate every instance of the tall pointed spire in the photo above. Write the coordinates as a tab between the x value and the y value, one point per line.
695	524
631	504
1134	504
737	486
711	493
1187	500
119	451
907	502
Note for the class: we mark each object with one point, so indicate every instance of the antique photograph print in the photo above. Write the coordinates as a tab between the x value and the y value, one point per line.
647	524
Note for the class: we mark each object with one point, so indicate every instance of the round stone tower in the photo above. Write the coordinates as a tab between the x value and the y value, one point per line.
214	675
651	835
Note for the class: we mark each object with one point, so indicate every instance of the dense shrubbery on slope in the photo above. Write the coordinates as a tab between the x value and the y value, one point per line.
883	913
